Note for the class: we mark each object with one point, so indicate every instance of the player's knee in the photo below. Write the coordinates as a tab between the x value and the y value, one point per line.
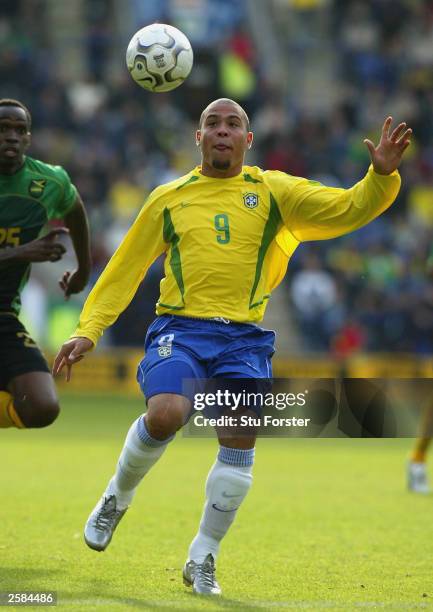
40	413
164	421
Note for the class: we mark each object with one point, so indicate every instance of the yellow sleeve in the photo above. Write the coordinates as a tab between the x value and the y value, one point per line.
119	281
312	211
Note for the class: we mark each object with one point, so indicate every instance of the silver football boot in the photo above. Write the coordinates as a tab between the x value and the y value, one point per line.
102	522
201	576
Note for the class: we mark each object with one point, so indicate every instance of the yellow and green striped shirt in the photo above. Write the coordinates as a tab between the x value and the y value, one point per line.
227	241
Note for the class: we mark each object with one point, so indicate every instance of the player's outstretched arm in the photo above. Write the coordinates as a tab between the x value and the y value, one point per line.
387	155
41	249
71	352
315	212
77	223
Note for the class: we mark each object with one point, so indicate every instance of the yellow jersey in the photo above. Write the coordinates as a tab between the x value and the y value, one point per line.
227	241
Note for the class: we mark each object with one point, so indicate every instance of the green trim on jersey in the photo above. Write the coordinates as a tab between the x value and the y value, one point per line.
260	302
249	179
270	231
191	179
170	307
170	236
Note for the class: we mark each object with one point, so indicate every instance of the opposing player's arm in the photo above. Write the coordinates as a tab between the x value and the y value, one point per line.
314	212
42	249
77	223
116	286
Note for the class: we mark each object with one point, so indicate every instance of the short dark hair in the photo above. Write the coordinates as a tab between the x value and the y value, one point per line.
12	102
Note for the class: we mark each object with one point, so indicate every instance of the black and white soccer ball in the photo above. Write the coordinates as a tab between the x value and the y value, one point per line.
159	57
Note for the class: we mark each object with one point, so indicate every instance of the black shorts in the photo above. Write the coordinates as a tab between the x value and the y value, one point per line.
19	354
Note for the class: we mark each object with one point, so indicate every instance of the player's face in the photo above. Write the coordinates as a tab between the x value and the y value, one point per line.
14	137
223	139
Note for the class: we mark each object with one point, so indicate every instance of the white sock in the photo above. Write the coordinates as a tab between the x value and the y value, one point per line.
227	485
140	452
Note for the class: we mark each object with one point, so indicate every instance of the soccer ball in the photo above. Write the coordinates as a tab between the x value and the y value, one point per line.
159	57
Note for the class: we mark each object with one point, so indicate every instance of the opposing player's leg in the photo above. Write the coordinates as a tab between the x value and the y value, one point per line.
417	479
8	414
27	393
35	399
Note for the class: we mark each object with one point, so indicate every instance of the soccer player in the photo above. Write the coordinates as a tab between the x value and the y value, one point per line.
228	231
31	193
416	471
417	478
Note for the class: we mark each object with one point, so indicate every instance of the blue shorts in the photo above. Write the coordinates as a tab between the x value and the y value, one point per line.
182	348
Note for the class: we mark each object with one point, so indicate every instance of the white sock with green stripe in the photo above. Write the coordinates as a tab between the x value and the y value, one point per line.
227	485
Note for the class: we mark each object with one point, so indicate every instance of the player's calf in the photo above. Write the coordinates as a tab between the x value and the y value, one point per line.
34	399
140	452
38	414
24	413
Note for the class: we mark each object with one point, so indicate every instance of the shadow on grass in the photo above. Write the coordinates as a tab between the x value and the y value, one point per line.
100	594
32	579
103	599
223	602
18	578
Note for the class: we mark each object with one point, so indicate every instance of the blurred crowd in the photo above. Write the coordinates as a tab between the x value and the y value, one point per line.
371	290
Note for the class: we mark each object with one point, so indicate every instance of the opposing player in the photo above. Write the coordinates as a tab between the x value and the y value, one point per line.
228	231
416	469
31	193
417	477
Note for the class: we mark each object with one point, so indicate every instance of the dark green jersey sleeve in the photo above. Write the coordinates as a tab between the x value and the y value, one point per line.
67	194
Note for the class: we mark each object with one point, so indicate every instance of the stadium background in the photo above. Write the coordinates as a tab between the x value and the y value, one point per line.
316	76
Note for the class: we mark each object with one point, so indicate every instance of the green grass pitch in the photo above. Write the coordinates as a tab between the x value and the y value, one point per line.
328	523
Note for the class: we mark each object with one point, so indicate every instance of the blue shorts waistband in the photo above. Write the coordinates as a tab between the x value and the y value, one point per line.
223	320
217	320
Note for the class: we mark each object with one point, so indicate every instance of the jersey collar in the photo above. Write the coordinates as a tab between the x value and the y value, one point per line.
197	172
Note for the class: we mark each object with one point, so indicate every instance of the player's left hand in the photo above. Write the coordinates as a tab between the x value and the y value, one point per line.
73	282
387	155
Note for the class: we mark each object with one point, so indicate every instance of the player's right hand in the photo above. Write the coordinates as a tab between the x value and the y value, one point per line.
43	249
71	352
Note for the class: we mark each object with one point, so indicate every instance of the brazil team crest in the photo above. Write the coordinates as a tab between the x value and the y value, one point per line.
36	187
165	345
251	200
